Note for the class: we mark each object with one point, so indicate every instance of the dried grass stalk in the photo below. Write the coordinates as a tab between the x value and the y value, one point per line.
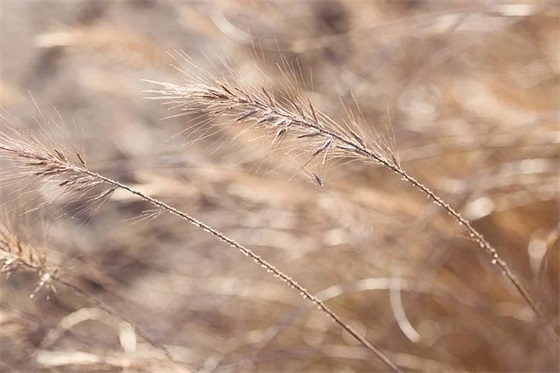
16	254
289	115
34	157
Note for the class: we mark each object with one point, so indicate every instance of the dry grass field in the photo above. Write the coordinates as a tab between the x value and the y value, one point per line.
297	130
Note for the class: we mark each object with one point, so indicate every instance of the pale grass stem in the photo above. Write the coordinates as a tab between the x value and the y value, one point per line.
320	136
14	254
55	166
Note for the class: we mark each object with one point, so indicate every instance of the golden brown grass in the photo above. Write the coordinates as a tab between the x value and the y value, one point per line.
34	158
469	93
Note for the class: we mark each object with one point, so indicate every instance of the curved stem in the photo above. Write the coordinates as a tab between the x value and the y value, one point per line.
265	264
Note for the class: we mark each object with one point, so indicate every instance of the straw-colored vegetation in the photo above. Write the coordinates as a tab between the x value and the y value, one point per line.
391	165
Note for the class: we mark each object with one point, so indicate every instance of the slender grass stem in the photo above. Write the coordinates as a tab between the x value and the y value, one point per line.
55	166
317	132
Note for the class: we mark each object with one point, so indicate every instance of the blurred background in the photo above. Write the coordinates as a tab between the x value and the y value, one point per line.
466	92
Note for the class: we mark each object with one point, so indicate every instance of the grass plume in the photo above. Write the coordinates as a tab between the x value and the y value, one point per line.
468	92
320	136
15	254
54	166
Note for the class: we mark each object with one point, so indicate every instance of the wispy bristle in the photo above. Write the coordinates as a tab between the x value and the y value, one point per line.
56	167
14	254
317	133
